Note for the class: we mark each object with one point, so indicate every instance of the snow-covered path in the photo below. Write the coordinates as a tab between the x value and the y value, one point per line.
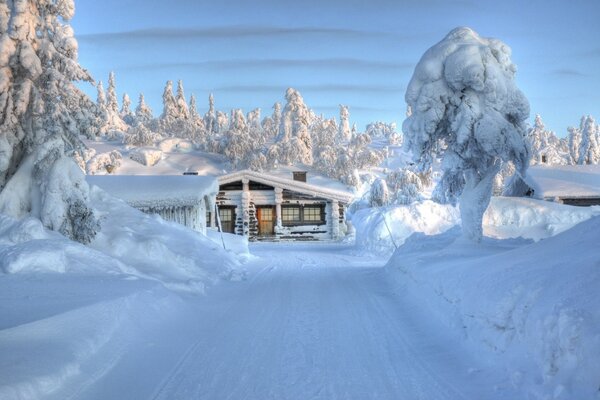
311	322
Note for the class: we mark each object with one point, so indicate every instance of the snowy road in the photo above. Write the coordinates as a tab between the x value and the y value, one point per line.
311	322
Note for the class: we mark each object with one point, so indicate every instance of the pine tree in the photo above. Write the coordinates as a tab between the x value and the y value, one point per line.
126	114
111	95
589	149
143	113
182	107
40	122
101	98
345	134
210	119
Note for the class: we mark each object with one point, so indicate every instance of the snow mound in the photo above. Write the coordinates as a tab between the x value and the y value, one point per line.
146	156
176	145
529	306
506	217
177	256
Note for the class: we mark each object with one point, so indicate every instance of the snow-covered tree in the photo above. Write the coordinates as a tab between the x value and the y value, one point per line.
294	136
126	114
345	133
140	135
101	97
182	106
381	130
270	125
574	143
170	111
545	145
111	94
379	195
39	126
143	113
589	148
197	130
405	186
467	109
210	118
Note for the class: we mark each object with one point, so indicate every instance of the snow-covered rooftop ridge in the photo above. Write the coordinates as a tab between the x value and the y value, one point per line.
581	181
289	184
157	191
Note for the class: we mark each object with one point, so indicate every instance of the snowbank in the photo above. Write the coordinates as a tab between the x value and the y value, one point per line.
146	156
529	306
506	217
171	253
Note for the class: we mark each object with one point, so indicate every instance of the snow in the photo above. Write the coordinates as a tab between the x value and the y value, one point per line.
554	181
530	309
506	217
146	156
155	191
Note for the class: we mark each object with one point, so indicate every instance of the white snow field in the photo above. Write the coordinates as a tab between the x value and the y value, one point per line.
443	319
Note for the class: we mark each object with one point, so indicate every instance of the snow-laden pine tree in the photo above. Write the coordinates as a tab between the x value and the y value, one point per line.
182	107
574	143
170	112
126	114
196	128
111	94
270	124
101	97
405	186
589	148
467	109
38	126
345	133
545	145
379	195
294	137
210	118
143	113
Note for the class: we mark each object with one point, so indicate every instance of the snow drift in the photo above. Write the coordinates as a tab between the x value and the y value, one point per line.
506	217
531	307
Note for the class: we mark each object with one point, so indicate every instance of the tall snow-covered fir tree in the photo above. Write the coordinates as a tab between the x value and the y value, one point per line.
38	126
294	137
210	118
143	113
345	133
546	147
126	114
467	109
589	147
170	112
111	94
182	107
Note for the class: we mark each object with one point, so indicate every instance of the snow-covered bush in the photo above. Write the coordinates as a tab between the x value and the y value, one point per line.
140	135
104	163
467	109
146	156
405	186
379	195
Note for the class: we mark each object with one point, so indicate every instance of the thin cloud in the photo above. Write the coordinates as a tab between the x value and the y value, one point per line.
568	72
224	32
337	63
327	88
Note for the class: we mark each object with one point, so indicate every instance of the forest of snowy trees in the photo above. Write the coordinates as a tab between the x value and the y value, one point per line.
291	134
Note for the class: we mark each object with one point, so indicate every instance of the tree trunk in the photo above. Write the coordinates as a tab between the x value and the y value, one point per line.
474	200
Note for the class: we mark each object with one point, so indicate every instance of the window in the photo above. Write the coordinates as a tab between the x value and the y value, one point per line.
208	216
290	214
312	214
226	214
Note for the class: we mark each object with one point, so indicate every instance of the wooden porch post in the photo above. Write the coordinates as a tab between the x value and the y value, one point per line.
335	219
246	207
278	201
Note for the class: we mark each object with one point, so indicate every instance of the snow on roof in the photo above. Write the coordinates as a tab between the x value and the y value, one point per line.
289	184
564	181
157	191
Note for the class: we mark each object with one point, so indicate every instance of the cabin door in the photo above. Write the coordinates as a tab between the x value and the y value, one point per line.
265	216
227	217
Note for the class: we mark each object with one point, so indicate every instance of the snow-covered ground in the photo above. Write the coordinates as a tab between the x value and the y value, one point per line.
151	310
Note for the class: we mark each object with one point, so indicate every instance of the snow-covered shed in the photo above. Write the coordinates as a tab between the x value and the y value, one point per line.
265	206
577	185
182	199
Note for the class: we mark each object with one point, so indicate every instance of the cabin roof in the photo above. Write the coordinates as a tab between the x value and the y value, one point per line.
288	184
154	191
564	181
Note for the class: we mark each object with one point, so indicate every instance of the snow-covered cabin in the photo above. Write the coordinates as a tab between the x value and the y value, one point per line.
264	206
577	185
182	199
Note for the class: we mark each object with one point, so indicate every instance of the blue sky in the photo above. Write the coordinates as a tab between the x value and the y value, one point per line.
356	52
